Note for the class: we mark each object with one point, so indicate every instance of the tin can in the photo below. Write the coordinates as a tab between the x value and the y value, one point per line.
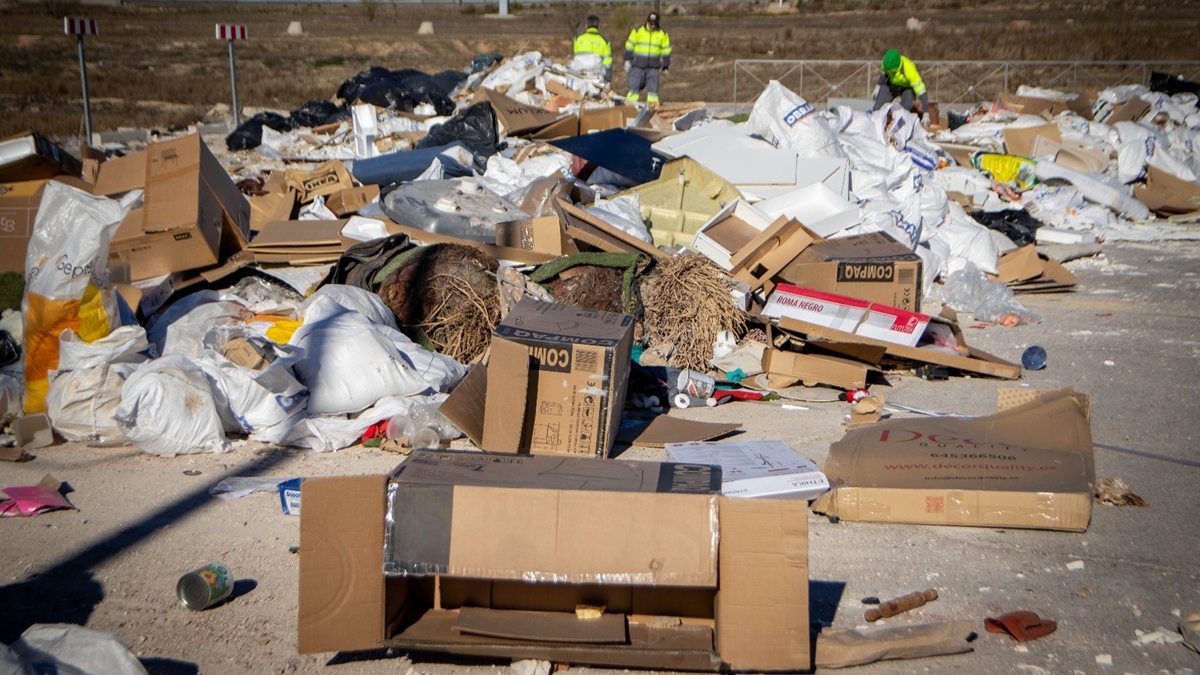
695	384
204	587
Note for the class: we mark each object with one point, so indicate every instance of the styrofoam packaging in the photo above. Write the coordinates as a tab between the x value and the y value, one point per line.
824	309
822	210
894	325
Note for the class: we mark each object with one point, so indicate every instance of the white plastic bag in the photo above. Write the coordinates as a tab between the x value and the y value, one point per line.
167	408
181	328
85	391
515	72
333	298
788	121
328	433
65	281
266	403
67	649
625	214
966	239
1095	190
349	364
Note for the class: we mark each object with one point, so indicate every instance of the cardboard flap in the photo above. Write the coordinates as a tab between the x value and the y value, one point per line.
299	234
1019	265
517	117
593	231
507	396
326	179
465	405
664	429
543	235
1166	194
341	564
541	626
1019	141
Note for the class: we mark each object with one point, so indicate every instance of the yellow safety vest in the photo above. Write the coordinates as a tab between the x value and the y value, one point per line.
647	48
591	42
906	76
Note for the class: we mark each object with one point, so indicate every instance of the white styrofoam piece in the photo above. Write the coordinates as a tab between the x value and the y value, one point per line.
1061	235
821	209
756	468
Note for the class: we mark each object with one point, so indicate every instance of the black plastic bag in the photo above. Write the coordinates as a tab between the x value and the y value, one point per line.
1173	84
313	114
424	89
248	135
349	90
390	94
1018	226
449	80
475	127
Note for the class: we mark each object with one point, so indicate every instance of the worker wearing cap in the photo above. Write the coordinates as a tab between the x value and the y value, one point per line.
900	78
647	57
591	42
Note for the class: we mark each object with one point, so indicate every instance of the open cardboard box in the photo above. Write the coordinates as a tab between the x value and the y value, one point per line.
1029	465
647	540
872	267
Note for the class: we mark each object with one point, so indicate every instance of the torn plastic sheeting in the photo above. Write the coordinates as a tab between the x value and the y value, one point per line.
457	208
621	151
181	328
624	213
266	403
329	433
400	167
68	649
968	290
1095	190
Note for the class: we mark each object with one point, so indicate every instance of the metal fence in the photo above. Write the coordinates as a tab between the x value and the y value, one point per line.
949	82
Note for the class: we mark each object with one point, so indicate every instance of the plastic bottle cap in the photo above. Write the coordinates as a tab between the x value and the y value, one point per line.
1034	358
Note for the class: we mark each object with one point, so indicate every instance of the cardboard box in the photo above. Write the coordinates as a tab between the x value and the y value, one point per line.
755	619
31	156
1167	195
785	368
756	468
824	309
1030	466
19	204
299	241
326	179
555	382
601	119
348	201
193	216
469	515
1019	141
892	324
543	235
872	267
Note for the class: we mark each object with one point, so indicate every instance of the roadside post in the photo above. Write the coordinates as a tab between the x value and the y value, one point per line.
230	33
79	28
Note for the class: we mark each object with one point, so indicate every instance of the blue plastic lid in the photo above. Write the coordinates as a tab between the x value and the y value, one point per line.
1034	358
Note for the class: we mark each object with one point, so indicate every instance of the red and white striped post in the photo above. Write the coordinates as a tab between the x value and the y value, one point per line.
232	32
79	28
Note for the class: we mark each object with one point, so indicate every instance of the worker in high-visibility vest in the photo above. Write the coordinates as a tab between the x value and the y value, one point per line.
900	78
647	58
591	42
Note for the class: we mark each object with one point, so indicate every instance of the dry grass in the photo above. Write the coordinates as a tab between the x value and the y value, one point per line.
168	55
686	301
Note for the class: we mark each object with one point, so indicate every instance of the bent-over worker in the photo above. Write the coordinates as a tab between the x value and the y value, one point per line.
900	78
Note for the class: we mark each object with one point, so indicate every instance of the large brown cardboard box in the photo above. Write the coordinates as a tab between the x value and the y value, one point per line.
554	384
193	216
751	615
1030	465
872	267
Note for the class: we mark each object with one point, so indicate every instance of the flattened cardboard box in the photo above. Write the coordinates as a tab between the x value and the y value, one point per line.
757	620
1029	466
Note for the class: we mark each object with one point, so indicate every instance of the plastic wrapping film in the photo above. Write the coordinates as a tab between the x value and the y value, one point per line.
693	532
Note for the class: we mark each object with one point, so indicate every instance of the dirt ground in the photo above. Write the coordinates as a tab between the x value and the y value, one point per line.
160	66
1127	337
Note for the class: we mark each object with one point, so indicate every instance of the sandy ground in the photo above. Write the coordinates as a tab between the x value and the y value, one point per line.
1128	337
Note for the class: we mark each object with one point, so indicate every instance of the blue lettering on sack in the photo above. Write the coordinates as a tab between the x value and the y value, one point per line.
798	113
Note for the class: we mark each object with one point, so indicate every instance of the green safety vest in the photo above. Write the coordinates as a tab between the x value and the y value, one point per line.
906	76
647	48
591	42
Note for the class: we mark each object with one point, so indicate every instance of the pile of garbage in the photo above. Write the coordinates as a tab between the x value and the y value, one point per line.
511	254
